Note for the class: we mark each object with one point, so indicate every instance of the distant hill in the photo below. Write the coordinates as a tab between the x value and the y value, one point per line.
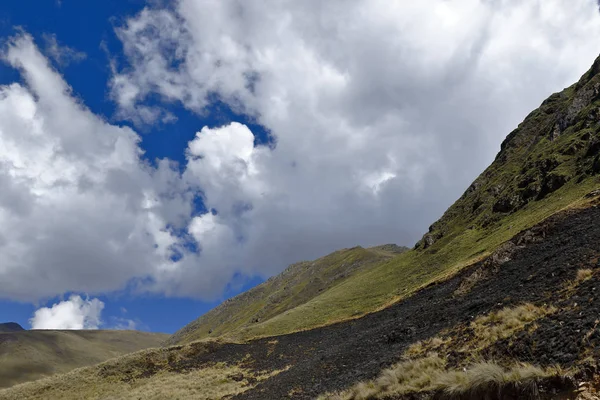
295	286
28	355
10	327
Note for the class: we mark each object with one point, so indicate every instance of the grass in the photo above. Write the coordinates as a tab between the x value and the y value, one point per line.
429	375
583	275
481	333
535	175
147	374
297	285
29	355
400	277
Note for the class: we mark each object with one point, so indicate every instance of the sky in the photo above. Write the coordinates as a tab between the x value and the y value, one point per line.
159	157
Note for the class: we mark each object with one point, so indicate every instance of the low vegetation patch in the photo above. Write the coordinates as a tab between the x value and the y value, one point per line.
483	332
165	373
30	355
429	376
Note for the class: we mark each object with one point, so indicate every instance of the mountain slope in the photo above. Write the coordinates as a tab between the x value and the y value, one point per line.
536	304
548	163
10	327
29	355
298	284
503	288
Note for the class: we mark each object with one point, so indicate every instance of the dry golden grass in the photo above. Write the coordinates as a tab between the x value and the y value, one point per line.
146	374
429	374
30	355
483	331
470	281
583	275
504	323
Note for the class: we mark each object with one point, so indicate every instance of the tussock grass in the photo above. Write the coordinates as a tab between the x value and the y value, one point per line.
429	375
147	374
504	323
483	332
583	275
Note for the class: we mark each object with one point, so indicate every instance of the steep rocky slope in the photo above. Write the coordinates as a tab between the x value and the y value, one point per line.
556	144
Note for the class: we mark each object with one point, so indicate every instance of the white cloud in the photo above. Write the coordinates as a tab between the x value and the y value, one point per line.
382	111
62	55
79	210
75	313
124	324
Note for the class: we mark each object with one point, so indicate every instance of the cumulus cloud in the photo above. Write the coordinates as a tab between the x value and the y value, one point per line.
382	111
75	313
79	210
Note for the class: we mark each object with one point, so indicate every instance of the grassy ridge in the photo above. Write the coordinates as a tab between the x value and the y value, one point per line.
551	161
29	355
402	276
295	286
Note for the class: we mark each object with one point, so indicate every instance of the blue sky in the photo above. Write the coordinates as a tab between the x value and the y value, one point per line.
204	145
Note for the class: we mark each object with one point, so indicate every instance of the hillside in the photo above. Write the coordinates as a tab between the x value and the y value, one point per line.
527	328
548	163
10	327
29	355
295	286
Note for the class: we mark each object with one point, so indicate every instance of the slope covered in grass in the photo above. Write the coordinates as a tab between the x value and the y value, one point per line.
29	355
159	373
550	162
295	286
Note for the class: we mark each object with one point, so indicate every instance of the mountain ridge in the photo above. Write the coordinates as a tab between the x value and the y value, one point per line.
548	162
10	327
294	286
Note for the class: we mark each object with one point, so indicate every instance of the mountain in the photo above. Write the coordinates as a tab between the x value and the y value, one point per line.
498	300
295	286
28	355
10	327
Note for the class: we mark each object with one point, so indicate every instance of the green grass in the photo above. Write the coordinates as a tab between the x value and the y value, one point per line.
403	275
536	174
30	355
298	284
